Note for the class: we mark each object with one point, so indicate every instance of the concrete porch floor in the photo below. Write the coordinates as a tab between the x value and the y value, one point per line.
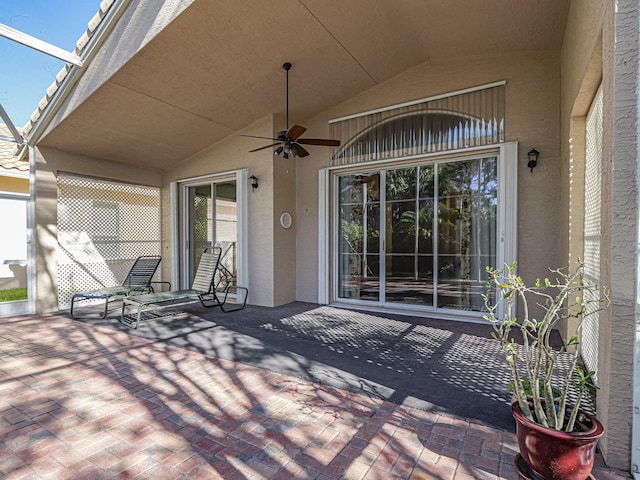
93	400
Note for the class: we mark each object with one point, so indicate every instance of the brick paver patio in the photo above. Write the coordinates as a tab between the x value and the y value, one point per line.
84	402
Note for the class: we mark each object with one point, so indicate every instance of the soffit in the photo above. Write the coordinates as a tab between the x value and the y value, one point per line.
217	67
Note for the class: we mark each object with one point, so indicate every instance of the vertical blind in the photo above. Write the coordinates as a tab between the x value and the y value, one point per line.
471	118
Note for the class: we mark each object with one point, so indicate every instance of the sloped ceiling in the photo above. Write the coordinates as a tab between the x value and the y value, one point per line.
218	66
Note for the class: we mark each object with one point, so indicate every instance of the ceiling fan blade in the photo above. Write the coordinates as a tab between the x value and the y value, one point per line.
300	151
294	132
319	141
262	148
255	136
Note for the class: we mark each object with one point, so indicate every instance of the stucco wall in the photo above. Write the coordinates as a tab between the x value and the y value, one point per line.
532	119
620	228
284	255
46	235
14	184
57	160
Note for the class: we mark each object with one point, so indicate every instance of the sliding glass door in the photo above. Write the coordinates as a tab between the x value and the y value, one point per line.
419	235
212	220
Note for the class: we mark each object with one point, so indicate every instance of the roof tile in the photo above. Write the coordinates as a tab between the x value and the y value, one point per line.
8	154
82	42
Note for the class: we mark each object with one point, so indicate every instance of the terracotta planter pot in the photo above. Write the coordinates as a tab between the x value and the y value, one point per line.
555	455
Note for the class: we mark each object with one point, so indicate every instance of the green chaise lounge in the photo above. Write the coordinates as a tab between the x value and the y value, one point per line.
202	290
138	280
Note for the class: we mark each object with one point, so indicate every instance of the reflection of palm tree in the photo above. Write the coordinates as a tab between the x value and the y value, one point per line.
407	225
456	180
353	236
401	183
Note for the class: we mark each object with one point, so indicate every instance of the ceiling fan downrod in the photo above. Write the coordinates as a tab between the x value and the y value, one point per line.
288	142
287	67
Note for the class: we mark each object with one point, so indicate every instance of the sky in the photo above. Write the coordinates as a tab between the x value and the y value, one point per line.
25	74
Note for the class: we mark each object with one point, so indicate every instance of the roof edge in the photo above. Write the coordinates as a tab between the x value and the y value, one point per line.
98	29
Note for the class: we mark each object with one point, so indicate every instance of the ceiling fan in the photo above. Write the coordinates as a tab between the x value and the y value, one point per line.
288	141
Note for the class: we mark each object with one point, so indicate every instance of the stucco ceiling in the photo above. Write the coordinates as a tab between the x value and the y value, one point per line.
217	67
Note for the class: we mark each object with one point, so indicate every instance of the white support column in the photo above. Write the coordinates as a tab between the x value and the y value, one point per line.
31	240
323	237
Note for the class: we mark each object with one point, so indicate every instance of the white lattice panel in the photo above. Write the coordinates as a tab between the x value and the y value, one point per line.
592	187
103	227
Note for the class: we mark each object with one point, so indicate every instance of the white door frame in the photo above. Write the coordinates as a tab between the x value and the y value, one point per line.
179	208
506	221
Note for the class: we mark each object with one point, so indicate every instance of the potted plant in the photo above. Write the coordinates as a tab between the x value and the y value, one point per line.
557	439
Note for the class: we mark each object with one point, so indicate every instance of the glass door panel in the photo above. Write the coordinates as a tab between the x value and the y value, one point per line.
466	243
213	221
409	239
359	237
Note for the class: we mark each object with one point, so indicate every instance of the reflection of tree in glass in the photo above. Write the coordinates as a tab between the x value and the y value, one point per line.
410	220
401	184
407	225
456	184
467	211
353	235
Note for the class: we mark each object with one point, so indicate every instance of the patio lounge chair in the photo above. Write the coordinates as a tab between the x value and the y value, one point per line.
202	290
138	280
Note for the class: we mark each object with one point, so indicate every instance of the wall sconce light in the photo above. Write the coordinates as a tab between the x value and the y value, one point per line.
254	182
533	158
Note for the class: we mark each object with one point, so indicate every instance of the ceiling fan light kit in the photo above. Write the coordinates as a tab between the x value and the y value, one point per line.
288	141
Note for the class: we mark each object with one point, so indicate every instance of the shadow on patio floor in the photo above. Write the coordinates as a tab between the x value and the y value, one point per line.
441	366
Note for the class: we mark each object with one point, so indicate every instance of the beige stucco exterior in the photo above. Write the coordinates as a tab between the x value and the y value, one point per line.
548	93
14	184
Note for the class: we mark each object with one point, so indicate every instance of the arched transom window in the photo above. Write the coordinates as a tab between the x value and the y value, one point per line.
449	122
